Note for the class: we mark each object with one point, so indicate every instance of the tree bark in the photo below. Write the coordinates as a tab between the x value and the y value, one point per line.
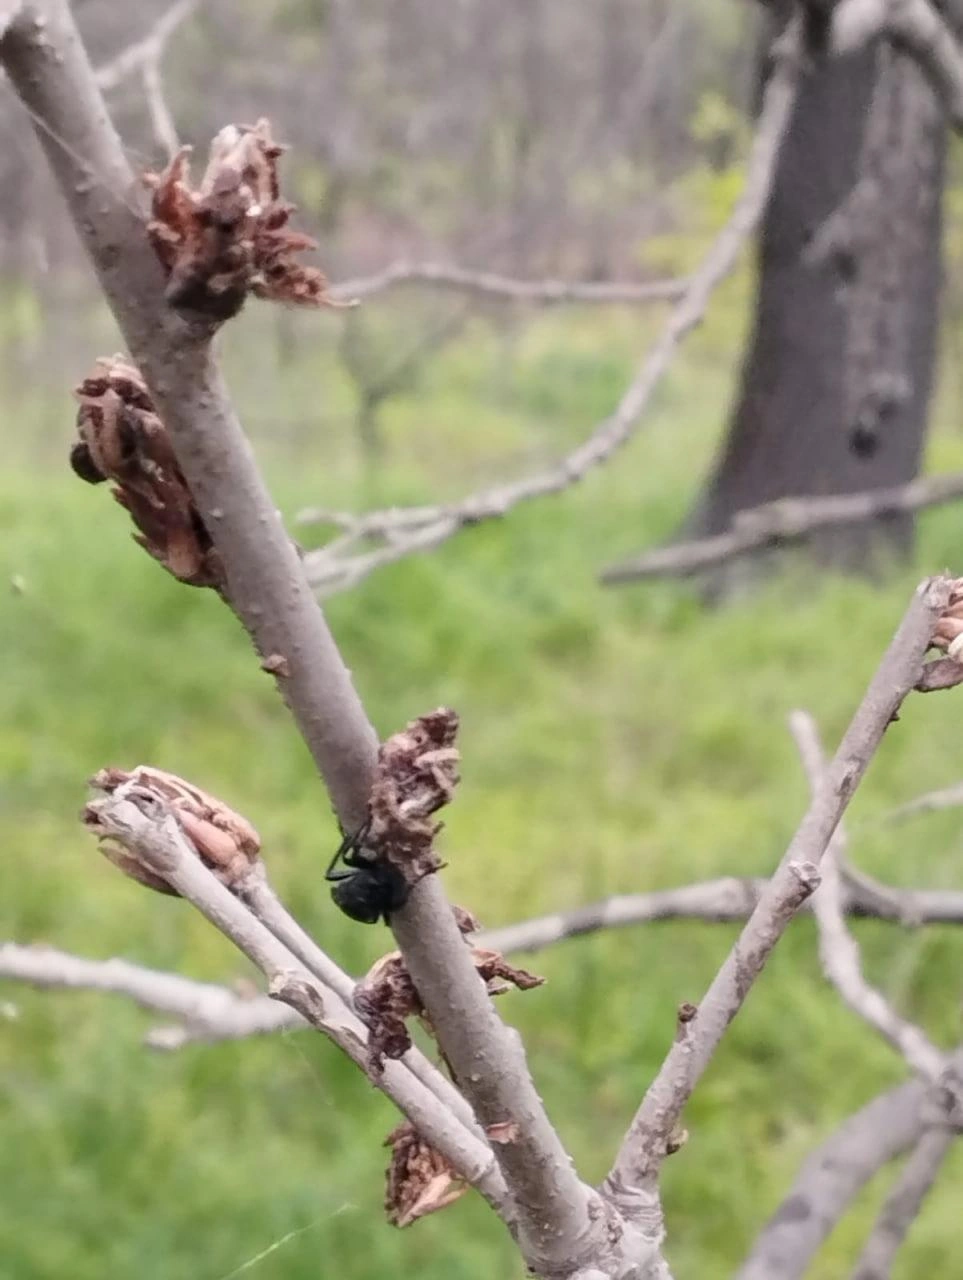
838	371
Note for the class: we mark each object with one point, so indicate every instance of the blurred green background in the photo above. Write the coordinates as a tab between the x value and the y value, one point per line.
613	741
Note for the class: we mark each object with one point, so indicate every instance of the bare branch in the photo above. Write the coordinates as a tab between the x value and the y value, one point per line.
147	828
838	948
209	1012
728	900
48	68
903	1204
928	802
487	284
831	1178
267	588
403	532
778	524
144	59
150	49
647	1141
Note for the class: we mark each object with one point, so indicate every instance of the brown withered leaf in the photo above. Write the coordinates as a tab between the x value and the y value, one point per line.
230	236
122	439
419	1179
386	997
417	775
225	841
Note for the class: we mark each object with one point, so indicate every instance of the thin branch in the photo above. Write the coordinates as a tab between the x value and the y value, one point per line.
928	802
780	523
148	829
267	588
349	558
728	900
650	1134
839	950
831	1178
209	1012
487	284
144	59
149	49
902	1205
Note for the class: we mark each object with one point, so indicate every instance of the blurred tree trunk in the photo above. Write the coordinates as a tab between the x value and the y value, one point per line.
838	371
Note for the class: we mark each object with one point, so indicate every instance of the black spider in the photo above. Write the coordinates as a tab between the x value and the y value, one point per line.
369	888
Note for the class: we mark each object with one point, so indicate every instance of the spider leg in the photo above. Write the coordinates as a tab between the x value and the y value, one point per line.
334	877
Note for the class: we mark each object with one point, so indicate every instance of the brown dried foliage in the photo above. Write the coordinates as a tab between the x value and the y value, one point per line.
225	841
122	439
230	236
386	996
417	775
419	1180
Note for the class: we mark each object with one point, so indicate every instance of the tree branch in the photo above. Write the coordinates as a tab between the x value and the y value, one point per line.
402	532
149	49
267	588
831	1178
209	1012
778	524
650	1135
147	828
903	1204
839	950
489	285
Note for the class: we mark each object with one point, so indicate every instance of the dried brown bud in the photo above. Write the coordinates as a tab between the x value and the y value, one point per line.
122	439
225	841
230	236
386	996
417	775
419	1179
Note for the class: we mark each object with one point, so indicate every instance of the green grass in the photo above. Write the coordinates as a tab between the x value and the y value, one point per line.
613	741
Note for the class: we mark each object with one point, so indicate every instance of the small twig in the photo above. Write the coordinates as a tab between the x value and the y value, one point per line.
928	802
781	523
646	1143
839	950
258	894
147	828
348	559
902	1205
209	1012
149	49
487	284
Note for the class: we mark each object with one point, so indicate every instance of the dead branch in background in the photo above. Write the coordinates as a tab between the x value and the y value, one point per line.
207	1012
145	58
838	948
781	523
403	531
903	1204
832	1177
490	285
